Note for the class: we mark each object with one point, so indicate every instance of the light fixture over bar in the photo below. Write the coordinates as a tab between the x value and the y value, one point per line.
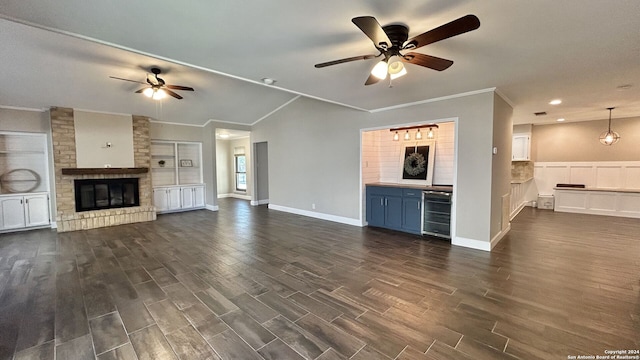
415	127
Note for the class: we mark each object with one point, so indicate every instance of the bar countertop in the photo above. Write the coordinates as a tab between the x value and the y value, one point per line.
414	186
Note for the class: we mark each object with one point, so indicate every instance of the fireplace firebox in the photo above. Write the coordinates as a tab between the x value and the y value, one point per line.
100	194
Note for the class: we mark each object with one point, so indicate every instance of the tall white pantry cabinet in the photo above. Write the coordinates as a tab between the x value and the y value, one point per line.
176	174
24	181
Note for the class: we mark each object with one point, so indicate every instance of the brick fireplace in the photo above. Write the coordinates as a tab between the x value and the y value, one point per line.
64	157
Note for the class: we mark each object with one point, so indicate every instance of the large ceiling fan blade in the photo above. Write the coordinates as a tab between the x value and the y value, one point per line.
372	80
370	27
179	87
456	27
171	93
117	78
428	61
335	62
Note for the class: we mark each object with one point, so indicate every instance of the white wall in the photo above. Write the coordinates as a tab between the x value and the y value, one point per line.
380	150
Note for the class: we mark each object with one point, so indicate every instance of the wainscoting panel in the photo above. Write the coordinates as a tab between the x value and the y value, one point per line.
614	175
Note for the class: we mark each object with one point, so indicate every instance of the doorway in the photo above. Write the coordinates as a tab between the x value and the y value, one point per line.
234	175
261	166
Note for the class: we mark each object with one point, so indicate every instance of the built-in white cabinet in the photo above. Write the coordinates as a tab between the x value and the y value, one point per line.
22	211
176	174
24	181
521	150
178	198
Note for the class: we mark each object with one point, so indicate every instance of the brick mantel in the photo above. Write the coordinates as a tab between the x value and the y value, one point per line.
64	157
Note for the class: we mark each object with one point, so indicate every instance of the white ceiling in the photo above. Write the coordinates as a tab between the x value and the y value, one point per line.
531	51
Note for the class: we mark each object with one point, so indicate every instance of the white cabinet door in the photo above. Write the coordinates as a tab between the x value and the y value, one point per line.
12	211
36	210
521	148
187	197
198	196
160	199
174	198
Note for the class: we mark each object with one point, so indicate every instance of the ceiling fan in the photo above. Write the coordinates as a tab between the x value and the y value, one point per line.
157	89
392	40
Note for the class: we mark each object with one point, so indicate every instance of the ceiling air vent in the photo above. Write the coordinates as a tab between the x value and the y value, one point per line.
540	113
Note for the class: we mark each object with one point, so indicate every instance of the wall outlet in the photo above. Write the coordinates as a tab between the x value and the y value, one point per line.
313	206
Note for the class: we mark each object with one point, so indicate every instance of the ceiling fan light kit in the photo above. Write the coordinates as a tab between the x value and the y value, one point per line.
392	40
157	88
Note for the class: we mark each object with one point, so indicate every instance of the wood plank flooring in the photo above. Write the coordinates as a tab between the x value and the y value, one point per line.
251	283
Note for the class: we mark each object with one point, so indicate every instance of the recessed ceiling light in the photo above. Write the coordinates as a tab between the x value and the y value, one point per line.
268	81
555	102
560	120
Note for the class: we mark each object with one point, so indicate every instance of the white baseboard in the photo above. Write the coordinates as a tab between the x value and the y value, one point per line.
496	239
259	202
317	215
211	207
471	243
236	196
517	211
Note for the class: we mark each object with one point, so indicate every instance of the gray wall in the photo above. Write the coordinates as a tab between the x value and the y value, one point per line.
314	156
578	141
261	167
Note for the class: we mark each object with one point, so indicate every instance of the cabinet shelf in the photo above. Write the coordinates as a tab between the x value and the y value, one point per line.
7	152
172	152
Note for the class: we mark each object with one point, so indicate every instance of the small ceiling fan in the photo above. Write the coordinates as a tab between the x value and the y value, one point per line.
392	40
157	89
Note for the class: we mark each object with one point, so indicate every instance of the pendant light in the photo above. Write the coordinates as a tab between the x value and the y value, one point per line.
418	135
407	136
396	137
609	137
380	70
430	133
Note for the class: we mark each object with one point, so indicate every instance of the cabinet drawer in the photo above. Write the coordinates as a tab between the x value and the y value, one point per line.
382	190
411	193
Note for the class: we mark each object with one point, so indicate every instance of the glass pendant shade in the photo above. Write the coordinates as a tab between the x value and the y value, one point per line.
154	93
430	134
380	70
407	136
396	137
397	69
418	135
609	137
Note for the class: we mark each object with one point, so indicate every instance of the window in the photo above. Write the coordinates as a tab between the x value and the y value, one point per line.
241	172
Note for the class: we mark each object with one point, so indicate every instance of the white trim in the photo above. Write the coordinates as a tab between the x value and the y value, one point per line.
234	195
515	212
471	243
211	207
54	225
107	112
22	108
496	239
317	215
505	98
227	122
276	110
172	123
259	202
441	98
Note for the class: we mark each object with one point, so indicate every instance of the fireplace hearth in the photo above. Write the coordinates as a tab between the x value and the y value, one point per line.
100	194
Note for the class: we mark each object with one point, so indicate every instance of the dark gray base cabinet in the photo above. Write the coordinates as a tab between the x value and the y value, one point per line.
394	208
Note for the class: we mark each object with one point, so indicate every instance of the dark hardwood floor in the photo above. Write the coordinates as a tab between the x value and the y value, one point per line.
250	283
